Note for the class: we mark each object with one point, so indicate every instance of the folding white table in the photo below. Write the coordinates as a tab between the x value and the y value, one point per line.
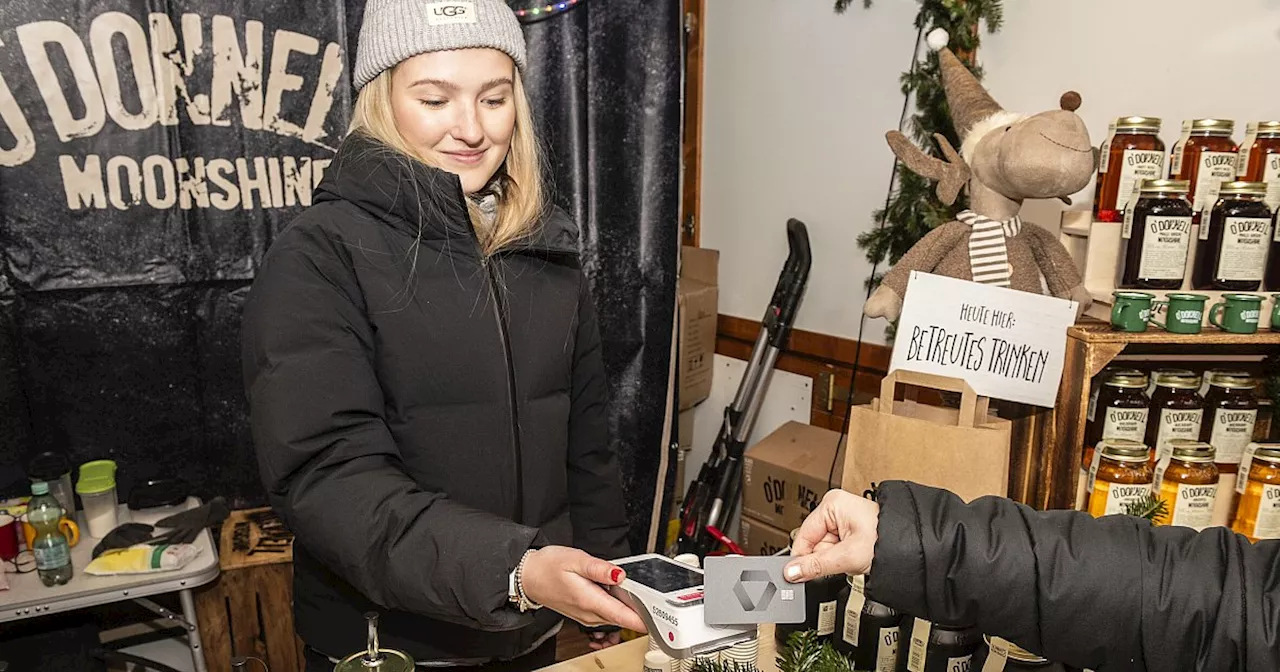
28	598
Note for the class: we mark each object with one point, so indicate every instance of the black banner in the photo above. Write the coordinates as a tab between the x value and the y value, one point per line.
149	152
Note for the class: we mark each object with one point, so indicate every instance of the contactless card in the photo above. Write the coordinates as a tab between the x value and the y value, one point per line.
742	591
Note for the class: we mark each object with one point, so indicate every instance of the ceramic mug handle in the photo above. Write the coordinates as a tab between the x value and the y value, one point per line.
1155	308
1215	314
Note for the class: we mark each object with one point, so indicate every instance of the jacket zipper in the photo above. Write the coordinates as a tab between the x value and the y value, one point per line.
498	310
491	280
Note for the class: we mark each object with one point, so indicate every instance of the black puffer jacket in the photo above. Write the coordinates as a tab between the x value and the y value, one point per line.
422	415
1108	594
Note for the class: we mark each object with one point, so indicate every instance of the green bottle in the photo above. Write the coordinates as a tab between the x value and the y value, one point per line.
53	553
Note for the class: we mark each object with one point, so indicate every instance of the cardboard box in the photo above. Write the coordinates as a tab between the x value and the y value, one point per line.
785	474
698	302
761	539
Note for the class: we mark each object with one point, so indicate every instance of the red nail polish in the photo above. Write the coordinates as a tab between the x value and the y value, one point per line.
615	574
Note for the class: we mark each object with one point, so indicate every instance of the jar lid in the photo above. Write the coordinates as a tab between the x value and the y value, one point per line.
1213	126
1178	380
39	488
1268	452
1173	186
1263	127
1128	380
1233	380
1192	451
95	477
48	466
1240	188
1149	124
1213	374
1017	653
1124	450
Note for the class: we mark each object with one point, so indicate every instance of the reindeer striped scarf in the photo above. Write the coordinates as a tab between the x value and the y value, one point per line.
988	255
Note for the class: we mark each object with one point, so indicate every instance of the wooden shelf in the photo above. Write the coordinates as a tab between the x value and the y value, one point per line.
1047	442
1098	332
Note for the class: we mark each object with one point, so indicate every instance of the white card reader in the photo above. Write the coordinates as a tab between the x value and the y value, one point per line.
668	596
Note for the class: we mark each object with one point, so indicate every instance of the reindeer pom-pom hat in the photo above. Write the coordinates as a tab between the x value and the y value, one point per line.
1005	157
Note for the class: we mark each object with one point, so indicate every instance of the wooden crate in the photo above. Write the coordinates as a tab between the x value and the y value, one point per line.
248	611
1047	442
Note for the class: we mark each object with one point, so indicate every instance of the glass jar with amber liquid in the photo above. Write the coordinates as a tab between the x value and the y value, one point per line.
1234	240
1231	411
1121	474
1135	153
1157	235
1177	411
1206	157
1260	158
1188	485
1258	512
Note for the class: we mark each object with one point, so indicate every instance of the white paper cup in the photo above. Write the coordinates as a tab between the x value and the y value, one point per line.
745	653
658	661
690	559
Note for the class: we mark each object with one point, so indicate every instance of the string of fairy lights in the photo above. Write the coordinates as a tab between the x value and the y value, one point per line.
540	11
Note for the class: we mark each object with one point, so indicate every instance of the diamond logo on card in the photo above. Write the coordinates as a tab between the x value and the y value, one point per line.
754	582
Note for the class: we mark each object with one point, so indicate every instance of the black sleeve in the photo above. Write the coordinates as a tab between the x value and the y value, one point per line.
596	504
331	466
1113	593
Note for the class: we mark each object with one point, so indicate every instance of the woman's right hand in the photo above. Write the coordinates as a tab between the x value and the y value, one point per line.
568	581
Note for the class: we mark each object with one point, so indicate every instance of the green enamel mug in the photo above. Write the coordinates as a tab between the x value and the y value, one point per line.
1184	313
1131	310
1237	313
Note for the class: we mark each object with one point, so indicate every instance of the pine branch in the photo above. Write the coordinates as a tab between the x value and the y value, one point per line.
802	652
1150	507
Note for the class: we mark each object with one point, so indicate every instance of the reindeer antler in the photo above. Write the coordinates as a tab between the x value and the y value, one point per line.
951	174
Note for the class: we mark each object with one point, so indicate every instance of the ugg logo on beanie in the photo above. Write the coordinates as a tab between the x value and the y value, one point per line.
445	13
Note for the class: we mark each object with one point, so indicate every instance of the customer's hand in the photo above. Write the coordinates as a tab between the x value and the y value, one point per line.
839	537
568	581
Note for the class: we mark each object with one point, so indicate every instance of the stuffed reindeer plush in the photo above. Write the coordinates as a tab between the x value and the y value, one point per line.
1004	158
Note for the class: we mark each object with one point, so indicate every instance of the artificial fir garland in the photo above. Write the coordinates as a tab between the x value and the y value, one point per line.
913	208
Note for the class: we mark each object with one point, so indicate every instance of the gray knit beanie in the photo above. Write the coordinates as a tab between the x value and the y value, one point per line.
395	30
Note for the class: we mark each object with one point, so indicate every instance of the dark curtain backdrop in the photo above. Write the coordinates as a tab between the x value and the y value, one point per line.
606	88
120	301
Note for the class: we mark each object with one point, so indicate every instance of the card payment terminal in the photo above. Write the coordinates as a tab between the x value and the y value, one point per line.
668	596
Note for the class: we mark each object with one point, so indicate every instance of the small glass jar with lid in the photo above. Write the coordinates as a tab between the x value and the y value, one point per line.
1258	511
1121	474
1157	235
1260	158
1135	153
1231	412
1177	411
1121	411
1189	485
1235	240
944	648
866	631
1206	157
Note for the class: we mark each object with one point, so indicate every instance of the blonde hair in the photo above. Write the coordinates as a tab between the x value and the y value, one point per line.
520	199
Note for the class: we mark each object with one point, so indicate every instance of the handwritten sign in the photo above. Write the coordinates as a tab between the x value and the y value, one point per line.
1005	343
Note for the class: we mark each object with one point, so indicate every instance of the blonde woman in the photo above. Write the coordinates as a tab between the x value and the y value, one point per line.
423	367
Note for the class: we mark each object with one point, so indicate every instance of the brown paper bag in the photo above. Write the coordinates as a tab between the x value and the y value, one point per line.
965	451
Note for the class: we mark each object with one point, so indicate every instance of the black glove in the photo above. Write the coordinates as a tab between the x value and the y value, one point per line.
184	527
124	536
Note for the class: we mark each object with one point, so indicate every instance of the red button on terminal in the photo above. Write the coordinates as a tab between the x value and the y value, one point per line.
689	597
671	636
